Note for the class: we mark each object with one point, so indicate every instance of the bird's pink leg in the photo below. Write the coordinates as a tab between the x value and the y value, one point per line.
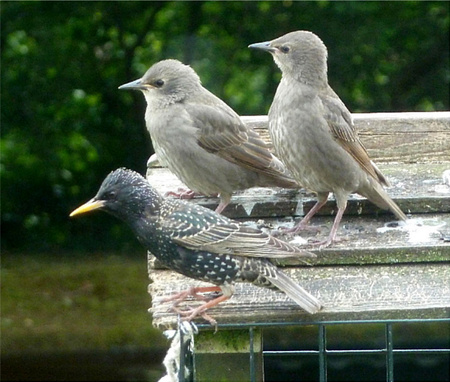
333	233
192	291
224	201
303	225
191	313
221	207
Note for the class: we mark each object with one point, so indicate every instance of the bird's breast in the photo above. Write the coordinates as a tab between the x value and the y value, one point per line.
302	140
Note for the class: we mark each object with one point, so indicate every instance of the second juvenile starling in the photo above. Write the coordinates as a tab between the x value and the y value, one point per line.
313	132
197	242
201	139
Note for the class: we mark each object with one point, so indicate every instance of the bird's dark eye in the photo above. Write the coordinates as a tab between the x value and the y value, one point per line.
159	83
285	49
110	195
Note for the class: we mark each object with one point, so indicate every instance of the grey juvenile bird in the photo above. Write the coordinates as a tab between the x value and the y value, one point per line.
197	242
313	132
201	139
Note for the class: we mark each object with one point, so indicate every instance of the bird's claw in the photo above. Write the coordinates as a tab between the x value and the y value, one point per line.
190	313
294	230
182	193
327	242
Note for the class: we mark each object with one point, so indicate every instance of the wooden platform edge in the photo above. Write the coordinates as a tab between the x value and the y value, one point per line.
408	291
371	280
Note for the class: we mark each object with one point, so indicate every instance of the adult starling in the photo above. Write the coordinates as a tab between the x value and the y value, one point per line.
201	139
198	242
313	132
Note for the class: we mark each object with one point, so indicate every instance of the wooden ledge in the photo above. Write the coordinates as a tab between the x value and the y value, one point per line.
417	188
393	137
346	292
385	270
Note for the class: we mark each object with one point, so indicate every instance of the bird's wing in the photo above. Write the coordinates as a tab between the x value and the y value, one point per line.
218	234
222	132
343	130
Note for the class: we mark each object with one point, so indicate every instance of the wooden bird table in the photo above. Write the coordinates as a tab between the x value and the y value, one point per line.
383	269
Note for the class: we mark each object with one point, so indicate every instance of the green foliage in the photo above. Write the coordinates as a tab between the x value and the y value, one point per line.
65	125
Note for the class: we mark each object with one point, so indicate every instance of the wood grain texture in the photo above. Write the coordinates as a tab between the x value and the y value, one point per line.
416	188
346	292
382	270
393	137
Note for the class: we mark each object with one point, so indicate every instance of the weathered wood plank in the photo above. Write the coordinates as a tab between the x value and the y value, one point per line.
346	292
394	137
385	270
418	142
417	188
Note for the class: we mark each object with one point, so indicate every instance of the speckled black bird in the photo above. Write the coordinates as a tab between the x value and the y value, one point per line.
201	139
313	132
198	242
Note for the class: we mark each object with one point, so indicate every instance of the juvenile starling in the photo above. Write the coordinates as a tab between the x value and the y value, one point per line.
197	242
313	132
201	139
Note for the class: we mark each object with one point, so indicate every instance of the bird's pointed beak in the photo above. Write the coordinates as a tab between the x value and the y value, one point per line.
91	205
133	85
263	46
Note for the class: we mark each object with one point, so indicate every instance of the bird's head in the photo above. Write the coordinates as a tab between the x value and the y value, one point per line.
125	194
166	82
300	54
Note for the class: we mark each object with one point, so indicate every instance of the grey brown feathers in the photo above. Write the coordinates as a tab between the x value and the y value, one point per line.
313	132
201	139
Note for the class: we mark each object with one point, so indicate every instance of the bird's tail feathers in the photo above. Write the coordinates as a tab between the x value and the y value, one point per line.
381	178
377	195
294	291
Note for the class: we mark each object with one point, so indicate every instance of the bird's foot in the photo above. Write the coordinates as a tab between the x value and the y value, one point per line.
190	313
326	243
182	193
321	243
294	230
185	193
303	227
193	292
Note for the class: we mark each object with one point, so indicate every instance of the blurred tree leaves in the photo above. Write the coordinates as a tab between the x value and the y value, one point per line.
65	125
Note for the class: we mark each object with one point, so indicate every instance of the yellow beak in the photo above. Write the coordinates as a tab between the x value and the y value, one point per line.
91	205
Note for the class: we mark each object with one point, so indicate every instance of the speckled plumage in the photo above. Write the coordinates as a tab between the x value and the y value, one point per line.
201	139
197	242
313	132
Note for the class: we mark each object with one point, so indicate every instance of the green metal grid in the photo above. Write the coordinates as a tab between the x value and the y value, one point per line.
323	352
